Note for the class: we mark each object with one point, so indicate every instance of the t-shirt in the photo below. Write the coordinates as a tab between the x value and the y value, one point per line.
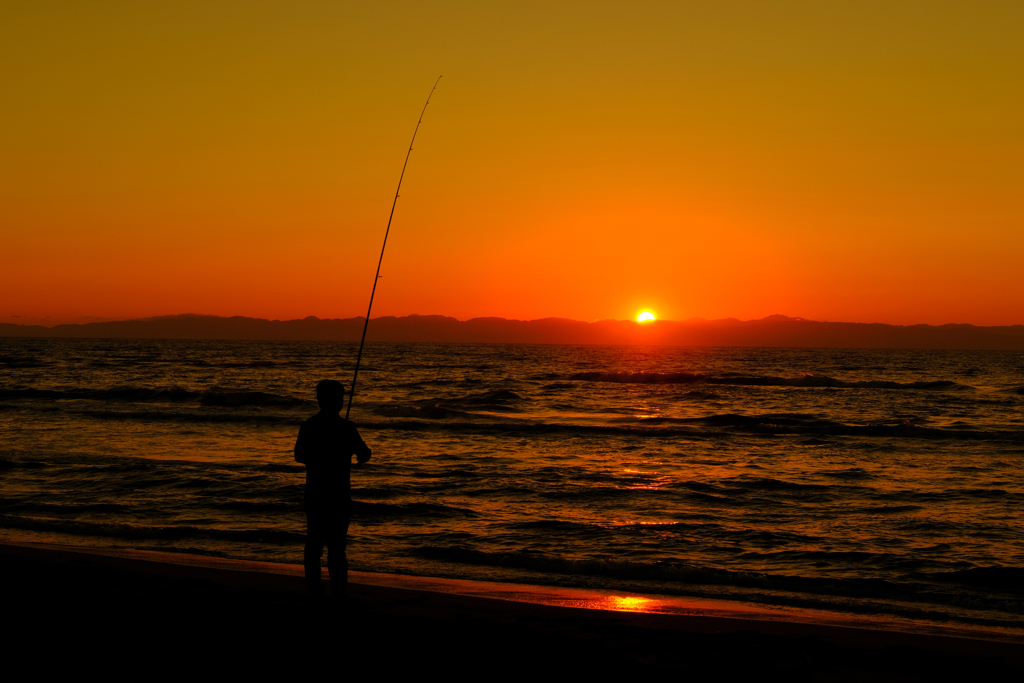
326	444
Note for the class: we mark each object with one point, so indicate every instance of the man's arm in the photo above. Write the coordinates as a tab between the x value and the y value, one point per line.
302	446
359	447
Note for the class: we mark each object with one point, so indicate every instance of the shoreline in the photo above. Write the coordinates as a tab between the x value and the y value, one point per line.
694	614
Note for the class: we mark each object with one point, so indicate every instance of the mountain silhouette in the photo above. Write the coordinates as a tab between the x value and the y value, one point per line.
774	330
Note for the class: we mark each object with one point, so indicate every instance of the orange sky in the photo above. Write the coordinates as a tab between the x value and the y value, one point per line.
857	161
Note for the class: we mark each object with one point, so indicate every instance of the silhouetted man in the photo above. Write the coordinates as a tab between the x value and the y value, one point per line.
326	444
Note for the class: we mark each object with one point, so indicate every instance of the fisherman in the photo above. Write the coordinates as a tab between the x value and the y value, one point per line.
326	444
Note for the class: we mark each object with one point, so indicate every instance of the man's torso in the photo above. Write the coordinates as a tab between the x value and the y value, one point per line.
326	444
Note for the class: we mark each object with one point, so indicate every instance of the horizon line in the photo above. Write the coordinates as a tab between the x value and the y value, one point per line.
774	317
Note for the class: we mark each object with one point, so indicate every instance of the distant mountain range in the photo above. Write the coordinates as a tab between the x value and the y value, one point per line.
775	330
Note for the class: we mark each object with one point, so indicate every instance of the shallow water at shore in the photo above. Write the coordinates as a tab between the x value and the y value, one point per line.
878	482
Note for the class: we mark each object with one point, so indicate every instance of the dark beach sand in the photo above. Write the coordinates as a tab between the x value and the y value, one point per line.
160	615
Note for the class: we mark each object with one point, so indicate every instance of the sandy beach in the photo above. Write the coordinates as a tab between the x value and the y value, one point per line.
126	612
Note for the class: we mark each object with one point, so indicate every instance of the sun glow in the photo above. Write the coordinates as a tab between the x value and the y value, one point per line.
644	317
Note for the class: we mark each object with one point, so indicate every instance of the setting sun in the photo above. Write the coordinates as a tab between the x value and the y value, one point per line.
644	317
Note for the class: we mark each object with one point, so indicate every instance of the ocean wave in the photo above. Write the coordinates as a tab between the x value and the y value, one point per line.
22	464
818	442
689	427
497	401
953	494
14	362
769	484
700	396
571	531
811	381
404	419
191	417
504	491
374	492
380	511
681	573
885	510
215	396
426	412
774	420
551	524
446	474
855	473
286	468
149	532
236	399
595	493
251	506
125	394
1007	579
237	364
11	505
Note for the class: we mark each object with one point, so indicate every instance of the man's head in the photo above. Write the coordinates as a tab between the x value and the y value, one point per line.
330	394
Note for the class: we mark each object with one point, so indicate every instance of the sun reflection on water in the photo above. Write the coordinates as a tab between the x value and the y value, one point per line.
629	604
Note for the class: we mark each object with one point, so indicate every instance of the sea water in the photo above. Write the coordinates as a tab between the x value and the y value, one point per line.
881	482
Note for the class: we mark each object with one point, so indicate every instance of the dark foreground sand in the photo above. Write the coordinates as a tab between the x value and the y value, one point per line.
69	611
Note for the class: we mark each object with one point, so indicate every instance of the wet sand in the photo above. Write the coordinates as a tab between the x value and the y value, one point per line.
159	615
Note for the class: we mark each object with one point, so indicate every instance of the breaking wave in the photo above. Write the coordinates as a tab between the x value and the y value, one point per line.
802	381
498	401
369	512
927	589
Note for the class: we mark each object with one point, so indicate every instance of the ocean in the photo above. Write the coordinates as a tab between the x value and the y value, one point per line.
875	482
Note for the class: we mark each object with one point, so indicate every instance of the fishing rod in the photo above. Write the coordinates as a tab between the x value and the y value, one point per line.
369	308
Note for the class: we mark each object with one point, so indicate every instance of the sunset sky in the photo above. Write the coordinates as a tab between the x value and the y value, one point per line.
855	161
